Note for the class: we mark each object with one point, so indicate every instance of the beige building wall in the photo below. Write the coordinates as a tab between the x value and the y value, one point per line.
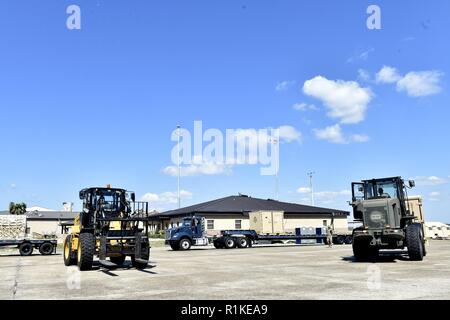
291	222
44	227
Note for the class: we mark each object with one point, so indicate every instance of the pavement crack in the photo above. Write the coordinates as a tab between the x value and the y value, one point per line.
14	289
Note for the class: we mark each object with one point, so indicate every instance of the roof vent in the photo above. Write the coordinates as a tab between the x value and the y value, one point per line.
243	195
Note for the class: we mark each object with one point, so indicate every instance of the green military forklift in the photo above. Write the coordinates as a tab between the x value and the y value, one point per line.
387	220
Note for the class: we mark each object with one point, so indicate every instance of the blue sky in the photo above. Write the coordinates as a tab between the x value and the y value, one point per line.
98	105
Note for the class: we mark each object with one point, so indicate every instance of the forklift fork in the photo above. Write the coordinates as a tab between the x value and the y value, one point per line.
102	253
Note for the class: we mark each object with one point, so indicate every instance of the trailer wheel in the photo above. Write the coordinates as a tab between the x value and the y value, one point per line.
242	243
185	244
26	249
69	256
230	243
339	240
348	240
119	260
414	242
85	251
46	249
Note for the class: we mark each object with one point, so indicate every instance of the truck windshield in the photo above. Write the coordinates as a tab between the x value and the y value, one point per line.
187	223
381	189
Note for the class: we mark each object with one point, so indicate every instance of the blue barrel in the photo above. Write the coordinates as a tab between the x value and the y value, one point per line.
319	235
298	233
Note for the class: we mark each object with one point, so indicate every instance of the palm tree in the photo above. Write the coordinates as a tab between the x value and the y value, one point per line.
17	208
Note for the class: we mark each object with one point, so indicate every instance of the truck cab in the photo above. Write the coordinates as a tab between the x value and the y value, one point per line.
192	232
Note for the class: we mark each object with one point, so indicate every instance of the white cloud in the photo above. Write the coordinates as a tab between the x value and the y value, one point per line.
13	186
363	75
414	83
434	196
388	75
289	134
331	133
359	138
285	85
334	134
303	190
419	84
361	55
304	106
345	100
205	168
430	181
165	199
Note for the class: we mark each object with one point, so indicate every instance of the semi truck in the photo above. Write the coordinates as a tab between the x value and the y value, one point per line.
265	226
14	233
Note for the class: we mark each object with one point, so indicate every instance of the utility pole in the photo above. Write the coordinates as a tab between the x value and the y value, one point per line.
178	168
311	174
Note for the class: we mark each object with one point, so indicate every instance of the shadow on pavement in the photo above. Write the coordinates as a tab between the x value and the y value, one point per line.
383	257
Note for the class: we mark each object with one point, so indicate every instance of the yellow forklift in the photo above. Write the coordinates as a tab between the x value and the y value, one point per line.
111	225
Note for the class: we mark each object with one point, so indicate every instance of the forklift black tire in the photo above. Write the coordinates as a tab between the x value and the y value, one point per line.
85	251
175	245
26	249
230	243
185	244
414	242
119	260
242	243
363	251
46	249
141	265
69	256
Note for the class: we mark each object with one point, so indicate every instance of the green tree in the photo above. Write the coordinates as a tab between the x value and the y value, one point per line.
17	208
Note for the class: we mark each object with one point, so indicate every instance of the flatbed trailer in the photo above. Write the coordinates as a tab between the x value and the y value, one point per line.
26	246
230	239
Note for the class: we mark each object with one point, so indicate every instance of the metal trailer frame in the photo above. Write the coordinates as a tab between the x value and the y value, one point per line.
252	236
34	242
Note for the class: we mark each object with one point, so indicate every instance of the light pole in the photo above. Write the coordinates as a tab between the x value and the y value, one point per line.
277	182
178	168
310	174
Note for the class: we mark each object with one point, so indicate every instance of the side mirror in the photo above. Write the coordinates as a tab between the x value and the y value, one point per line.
133	197
412	183
82	195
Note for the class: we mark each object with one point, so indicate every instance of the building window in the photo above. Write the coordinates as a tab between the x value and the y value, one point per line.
238	224
210	224
325	223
